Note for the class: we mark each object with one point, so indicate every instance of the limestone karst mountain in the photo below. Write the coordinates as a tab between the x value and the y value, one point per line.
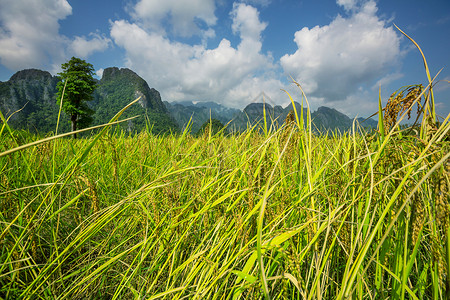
28	99
117	88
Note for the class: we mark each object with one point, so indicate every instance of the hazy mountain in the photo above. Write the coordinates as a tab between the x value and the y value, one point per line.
200	112
253	114
35	92
323	120
330	119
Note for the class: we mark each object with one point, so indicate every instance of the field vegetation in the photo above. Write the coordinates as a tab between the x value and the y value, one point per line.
275	214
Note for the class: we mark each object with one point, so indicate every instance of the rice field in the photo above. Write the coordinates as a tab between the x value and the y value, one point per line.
271	214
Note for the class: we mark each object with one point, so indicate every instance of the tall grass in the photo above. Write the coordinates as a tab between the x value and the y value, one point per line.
283	214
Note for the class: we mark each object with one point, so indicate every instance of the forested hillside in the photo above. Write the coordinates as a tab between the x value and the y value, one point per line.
28	99
117	88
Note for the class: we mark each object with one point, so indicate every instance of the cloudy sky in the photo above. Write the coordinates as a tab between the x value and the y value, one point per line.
341	51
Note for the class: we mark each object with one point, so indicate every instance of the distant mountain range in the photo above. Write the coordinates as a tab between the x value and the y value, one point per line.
199	113
28	99
323	120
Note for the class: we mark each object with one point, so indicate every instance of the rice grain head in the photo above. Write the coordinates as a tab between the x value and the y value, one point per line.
398	104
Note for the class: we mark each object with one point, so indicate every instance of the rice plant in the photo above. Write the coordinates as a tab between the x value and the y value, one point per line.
278	214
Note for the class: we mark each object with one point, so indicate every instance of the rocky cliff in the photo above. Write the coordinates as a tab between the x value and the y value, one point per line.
117	88
28	99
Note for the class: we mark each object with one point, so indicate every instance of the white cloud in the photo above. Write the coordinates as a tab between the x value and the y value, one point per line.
334	61
99	72
193	72
252	86
246	22
30	38
386	80
361	103
442	109
182	15
83	47
347	4
29	33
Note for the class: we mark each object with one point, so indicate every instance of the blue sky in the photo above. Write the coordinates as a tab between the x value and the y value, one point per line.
341	51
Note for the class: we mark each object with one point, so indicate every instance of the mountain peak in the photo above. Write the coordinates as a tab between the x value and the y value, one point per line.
257	107
263	98
30	74
331	111
113	72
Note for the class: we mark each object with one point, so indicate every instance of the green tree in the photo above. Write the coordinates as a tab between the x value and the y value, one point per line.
77	78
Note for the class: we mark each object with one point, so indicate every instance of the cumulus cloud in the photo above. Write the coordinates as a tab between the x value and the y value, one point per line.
347	4
82	47
193	72
334	61
246	22
183	16
29	32
384	81
99	72
30	38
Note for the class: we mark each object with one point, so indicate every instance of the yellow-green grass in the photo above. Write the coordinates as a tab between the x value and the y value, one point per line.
276	214
183	217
